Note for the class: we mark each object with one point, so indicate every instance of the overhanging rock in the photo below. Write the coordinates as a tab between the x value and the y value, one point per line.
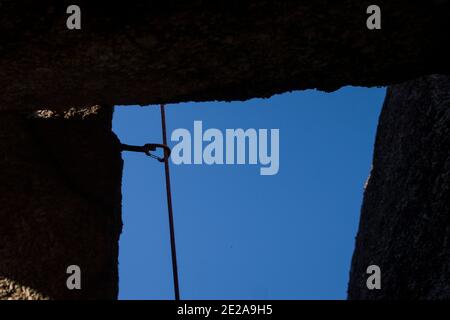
171	51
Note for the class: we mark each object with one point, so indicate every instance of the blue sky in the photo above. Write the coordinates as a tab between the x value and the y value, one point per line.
241	235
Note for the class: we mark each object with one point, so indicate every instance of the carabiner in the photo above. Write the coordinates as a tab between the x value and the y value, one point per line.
153	146
148	148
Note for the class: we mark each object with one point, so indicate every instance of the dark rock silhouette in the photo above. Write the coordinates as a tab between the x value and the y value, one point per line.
60	204
149	52
405	218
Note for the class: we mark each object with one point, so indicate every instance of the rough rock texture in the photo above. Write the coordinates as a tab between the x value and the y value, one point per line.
60	204
145	52
405	219
10	290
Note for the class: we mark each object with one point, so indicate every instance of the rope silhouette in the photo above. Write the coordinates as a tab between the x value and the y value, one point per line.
147	149
170	209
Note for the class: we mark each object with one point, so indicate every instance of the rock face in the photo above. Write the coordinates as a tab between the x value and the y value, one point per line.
60	204
159	51
405	218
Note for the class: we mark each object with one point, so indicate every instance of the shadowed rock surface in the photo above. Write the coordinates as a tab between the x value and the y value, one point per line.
60	204
405	218
147	52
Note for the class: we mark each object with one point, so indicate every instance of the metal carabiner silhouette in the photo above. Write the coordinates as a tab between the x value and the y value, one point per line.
148	149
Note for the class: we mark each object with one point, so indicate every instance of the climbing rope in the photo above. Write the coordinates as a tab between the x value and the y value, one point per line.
148	149
170	210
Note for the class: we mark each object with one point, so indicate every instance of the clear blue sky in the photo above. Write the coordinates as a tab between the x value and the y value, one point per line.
241	235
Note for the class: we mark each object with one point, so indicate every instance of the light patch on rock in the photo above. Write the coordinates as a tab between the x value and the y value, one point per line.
71	113
11	290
